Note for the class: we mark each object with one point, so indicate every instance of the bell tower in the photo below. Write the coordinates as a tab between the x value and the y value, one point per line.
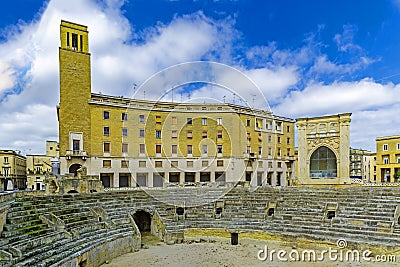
75	92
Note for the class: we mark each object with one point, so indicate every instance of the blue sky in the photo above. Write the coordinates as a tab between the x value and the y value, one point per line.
309	58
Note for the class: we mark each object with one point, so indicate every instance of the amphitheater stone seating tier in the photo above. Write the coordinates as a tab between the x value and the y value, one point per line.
57	230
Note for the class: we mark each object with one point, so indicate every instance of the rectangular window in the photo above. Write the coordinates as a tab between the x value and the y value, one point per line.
174	149
269	138
158	134
260	150
106	163
141	118
259	137
270	165
142	164
189	149
142	148
279	164
124	163
288	140
106	147
81	42
269	151
106	131
74	41
189	163
76	145
288	152
124	131
158	149
278	126
219	149
288	129
248	149
5	159
279	139
385	147
158	164
204	163
248	136
219	121
124	148
124	116
279	152
220	163
106	115
219	134
204	135
174	164
385	160
203	121
398	146
158	119
189	121
204	149
259	123
68	39
189	134
141	132
248	123
174	134
398	159
174	120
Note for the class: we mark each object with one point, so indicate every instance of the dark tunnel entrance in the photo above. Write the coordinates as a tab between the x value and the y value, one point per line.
142	220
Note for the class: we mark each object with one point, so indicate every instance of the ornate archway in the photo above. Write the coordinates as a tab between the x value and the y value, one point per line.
323	163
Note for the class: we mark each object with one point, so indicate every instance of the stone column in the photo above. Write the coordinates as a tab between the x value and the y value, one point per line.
303	173
344	166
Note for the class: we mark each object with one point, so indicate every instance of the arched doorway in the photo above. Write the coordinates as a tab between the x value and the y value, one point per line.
74	168
323	163
142	220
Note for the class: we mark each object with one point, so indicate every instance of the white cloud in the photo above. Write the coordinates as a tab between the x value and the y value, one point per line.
374	107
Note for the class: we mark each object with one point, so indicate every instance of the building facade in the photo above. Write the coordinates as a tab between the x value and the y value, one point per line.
360	164
37	166
130	142
388	159
12	170
323	150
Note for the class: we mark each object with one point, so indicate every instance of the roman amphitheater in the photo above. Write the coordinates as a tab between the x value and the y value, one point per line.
222	175
93	228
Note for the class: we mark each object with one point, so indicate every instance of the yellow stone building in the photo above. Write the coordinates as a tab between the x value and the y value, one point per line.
388	159
12	170
323	150
37	166
130	142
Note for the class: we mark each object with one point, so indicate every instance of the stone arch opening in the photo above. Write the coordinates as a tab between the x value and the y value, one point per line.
218	211
323	163
74	168
330	214
271	211
142	220
180	211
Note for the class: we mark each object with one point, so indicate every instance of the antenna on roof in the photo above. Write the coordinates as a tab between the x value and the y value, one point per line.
224	98
134	89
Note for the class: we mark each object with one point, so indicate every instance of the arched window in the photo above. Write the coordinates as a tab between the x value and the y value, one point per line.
323	163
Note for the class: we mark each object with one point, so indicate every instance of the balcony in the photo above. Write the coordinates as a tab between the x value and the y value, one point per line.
76	153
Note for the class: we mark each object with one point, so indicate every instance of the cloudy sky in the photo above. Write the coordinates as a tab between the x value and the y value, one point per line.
308	58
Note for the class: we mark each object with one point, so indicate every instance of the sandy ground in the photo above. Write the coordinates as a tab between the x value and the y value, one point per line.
220	253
